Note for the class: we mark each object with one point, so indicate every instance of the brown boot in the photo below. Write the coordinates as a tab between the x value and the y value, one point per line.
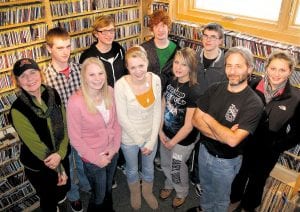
135	195
148	195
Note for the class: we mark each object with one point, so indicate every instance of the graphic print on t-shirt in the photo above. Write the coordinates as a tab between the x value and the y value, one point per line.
175	109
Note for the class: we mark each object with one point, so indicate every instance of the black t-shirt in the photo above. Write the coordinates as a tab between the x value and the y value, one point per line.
179	97
243	108
207	62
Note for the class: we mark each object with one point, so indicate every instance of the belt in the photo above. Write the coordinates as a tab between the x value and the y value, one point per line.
217	155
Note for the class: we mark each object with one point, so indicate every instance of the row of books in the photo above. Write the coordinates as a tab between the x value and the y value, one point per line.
10	152
27	204
22	35
260	47
4	121
21	14
295	150
289	162
12	182
61	8
6	80
10	168
81	23
8	58
277	197
17	196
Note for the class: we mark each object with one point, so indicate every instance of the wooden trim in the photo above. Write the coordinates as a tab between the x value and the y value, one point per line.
281	31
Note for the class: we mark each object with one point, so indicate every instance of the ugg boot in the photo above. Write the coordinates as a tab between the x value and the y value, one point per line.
148	195
135	195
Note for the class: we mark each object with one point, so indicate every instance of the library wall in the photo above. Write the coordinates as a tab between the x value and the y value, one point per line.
23	26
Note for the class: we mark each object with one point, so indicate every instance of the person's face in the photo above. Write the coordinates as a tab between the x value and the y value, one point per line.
278	72
30	81
161	31
236	69
211	40
95	77
60	51
106	35
137	68
181	69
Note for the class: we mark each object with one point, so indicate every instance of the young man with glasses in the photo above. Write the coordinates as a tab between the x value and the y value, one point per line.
106	49
211	69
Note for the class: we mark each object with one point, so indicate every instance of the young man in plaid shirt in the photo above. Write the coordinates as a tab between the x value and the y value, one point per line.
64	76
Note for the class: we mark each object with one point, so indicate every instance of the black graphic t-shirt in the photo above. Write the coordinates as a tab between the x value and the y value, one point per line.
179	97
243	108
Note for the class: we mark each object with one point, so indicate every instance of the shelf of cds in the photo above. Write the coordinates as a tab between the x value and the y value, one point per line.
23	27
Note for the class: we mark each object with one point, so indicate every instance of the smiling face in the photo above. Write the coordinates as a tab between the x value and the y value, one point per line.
137	68
106	35
237	70
278	72
95	77
30	81
181	69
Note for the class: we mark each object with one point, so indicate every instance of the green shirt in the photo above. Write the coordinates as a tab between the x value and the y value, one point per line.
165	54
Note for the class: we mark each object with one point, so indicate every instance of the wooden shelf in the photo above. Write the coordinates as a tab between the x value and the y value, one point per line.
287	176
22	2
4	49
10	26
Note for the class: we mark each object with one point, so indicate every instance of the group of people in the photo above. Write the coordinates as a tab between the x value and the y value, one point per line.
76	119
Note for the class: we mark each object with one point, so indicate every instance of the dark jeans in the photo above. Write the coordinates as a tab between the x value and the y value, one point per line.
248	185
101	185
45	184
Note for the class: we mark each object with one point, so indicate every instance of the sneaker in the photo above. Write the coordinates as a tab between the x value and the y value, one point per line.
198	190
158	167
122	168
165	193
114	184
178	202
76	206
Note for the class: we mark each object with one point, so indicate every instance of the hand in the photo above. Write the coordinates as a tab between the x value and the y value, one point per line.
163	138
62	179
170	144
146	151
234	127
52	161
104	160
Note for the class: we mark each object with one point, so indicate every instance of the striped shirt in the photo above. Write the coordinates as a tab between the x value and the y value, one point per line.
64	86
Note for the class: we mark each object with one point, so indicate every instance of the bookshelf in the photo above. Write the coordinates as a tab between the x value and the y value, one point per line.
23	26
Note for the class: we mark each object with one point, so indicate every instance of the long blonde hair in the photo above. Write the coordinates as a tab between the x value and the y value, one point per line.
106	97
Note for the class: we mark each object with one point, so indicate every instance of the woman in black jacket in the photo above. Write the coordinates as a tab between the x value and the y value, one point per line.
279	130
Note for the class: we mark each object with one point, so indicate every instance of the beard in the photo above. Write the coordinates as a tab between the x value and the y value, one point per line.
241	80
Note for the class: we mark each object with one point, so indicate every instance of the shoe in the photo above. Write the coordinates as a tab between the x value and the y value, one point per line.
114	184
165	193
158	167
62	205
195	209
198	190
177	202
76	206
122	168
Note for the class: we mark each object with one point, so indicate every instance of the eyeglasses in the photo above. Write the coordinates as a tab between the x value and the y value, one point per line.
107	32
207	37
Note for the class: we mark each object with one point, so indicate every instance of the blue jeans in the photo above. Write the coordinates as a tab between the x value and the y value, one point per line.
77	176
216	176
100	180
131	154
